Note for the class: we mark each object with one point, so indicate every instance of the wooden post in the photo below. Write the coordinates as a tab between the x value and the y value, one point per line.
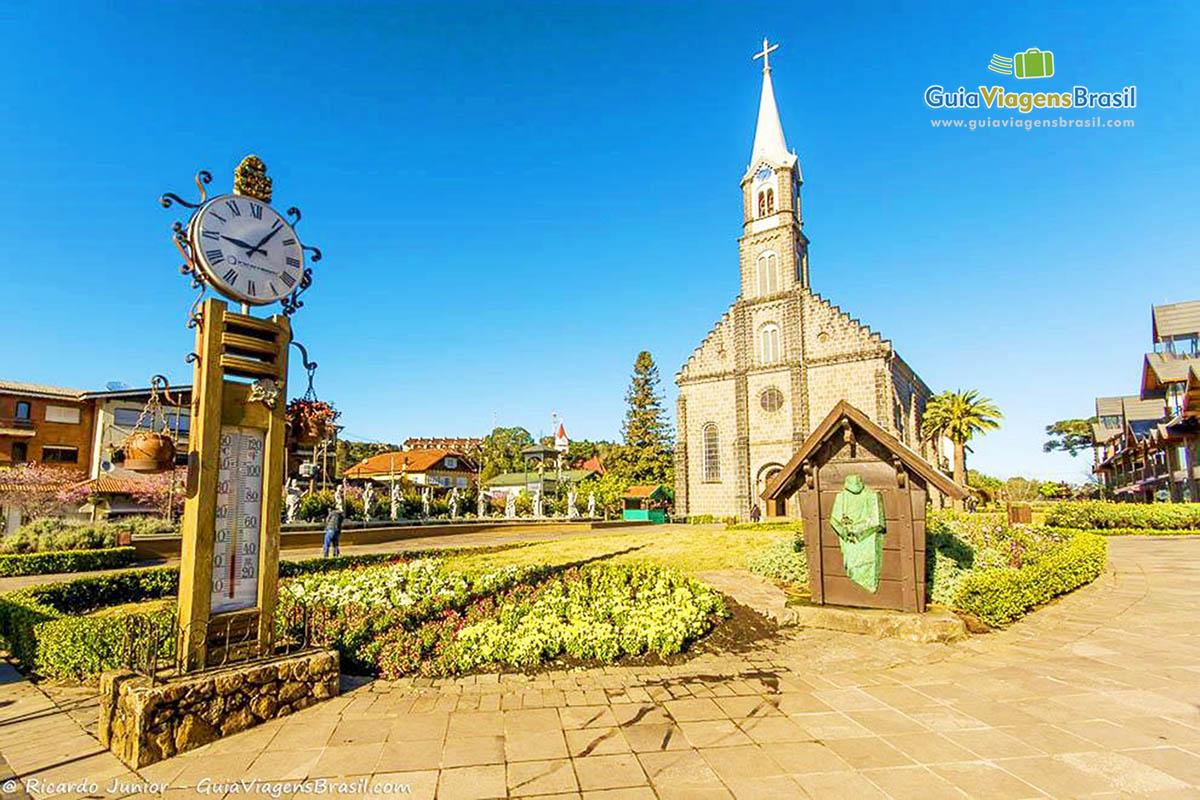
810	513
908	568
224	411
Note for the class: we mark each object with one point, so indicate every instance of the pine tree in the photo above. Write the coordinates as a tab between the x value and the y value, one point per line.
647	454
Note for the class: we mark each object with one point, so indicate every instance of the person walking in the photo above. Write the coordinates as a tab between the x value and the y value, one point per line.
333	532
755	513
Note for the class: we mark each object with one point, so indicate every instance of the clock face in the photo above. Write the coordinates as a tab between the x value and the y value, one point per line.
764	173
246	250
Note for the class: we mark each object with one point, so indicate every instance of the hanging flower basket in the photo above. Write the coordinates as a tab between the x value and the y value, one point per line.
310	421
146	451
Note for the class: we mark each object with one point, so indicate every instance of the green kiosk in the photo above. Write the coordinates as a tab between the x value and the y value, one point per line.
646	503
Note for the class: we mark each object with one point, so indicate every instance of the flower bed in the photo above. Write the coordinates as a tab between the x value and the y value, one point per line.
419	617
1097	514
784	560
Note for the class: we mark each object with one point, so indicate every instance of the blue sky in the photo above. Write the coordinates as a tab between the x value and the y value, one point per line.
513	199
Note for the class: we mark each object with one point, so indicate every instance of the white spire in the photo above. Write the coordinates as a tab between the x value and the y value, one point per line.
768	136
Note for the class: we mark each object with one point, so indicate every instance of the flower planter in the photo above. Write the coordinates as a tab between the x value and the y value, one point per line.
310	422
149	452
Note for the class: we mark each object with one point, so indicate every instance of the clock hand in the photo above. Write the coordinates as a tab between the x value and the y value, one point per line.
240	243
266	239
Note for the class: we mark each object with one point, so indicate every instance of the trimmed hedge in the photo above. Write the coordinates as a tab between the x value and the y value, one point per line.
1098	514
766	525
1134	531
65	561
999	596
47	631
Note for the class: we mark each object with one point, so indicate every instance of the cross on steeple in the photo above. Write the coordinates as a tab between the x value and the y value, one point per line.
765	54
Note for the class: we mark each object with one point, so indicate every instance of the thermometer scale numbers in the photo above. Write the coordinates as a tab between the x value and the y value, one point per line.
238	528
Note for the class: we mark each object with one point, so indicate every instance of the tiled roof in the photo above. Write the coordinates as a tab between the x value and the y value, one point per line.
1138	410
646	490
411	460
1110	406
1175	319
110	484
593	464
1160	369
39	389
1101	434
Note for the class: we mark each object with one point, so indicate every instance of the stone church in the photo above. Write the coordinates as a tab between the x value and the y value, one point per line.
781	357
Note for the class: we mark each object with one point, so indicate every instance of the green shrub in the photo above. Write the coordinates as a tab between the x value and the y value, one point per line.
766	525
52	534
1098	514
66	561
1000	595
1134	531
784	560
315	507
701	519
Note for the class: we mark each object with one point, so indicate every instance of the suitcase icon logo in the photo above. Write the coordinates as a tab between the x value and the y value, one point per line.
1033	63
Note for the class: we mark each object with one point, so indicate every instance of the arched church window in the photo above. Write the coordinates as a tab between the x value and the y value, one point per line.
768	337
770	201
712	453
762	203
768	273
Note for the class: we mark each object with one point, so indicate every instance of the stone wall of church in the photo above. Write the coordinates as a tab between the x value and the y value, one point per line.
710	402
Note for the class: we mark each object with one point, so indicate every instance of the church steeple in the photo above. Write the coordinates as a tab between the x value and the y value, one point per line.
774	247
769	143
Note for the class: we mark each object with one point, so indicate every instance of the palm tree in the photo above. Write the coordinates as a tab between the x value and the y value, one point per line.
958	416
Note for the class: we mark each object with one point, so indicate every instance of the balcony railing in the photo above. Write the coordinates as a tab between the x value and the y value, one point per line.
16	422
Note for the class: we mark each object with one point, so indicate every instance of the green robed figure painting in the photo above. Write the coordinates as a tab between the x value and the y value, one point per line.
859	521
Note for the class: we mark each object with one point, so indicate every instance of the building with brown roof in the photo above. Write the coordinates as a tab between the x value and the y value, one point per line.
432	467
1147	446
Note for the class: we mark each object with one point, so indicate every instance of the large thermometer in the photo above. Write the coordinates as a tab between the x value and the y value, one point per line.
238	533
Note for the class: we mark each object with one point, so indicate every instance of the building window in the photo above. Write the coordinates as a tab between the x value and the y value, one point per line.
462	482
60	455
451	462
770	201
712	453
771	399
768	273
24	411
20	453
768	338
64	414
762	204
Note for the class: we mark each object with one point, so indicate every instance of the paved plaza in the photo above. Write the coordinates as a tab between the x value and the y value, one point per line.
1094	696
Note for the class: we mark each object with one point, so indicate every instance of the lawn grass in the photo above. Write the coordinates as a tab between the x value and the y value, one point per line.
690	548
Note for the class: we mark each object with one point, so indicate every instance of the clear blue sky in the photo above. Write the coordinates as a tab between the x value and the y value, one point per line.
515	199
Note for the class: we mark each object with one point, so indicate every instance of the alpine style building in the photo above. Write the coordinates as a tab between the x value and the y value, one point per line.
782	356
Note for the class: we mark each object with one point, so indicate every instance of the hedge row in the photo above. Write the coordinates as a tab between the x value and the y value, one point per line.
65	561
1097	514
1136	531
47	631
766	525
999	596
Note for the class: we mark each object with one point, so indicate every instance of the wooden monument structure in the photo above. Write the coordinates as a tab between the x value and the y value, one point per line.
848	443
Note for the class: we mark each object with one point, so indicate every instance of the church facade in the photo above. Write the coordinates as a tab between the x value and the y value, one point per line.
781	357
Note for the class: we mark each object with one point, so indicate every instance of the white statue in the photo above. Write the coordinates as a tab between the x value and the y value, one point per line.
510	505
339	497
481	500
368	499
537	503
592	505
395	510
454	503
572	509
294	493
425	502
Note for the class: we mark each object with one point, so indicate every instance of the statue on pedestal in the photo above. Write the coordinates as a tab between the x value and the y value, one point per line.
481	504
425	492
368	499
510	506
454	503
339	496
292	500
572	499
395	510
537	503
592	505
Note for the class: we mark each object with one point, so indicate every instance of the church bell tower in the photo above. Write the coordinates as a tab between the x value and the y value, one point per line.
774	249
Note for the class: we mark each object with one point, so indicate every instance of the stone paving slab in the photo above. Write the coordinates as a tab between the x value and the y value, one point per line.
1093	696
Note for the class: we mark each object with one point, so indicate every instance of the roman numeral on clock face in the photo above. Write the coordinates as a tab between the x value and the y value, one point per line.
233	207
293	262
216	237
215	256
251	288
287	279
230	277
288	242
256	210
